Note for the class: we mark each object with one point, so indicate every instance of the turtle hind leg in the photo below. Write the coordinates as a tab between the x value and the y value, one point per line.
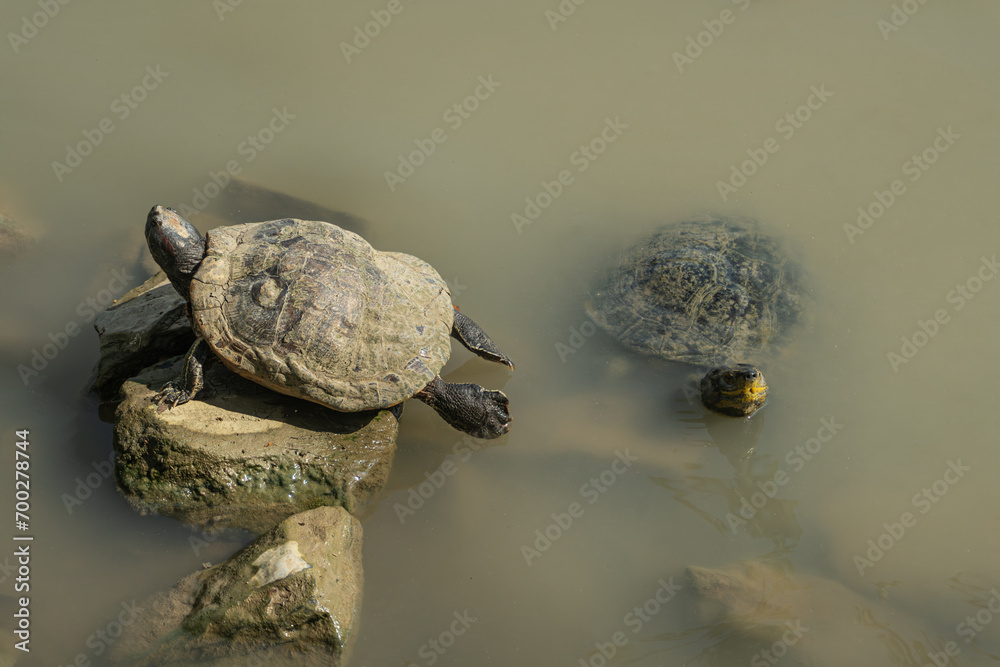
192	379
471	335
482	413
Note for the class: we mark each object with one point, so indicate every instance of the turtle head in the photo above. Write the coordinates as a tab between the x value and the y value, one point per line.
175	245
738	391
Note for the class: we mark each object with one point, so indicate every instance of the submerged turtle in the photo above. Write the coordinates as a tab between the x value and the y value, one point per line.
712	292
312	310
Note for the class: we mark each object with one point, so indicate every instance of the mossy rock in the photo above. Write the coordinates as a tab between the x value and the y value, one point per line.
243	456
291	597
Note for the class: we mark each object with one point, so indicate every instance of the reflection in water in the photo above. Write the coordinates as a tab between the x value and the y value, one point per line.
750	495
760	607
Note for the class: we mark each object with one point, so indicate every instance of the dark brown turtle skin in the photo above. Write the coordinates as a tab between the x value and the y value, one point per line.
312	310
712	292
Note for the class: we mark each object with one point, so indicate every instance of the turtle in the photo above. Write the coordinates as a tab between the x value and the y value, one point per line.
711	291
311	310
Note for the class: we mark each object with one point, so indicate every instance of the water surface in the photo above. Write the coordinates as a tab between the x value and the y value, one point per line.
798	114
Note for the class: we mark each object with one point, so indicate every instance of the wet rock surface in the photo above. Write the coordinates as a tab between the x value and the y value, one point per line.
291	597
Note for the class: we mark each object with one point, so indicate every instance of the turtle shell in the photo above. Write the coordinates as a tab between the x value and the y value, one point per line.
706	291
312	310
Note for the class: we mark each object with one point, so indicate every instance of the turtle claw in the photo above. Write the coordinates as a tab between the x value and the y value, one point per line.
497	415
482	413
190	383
170	397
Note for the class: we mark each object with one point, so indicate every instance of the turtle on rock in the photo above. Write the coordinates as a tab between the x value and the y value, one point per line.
313	311
714	292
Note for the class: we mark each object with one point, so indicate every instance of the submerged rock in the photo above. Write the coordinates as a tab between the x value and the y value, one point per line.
762	610
291	597
14	237
239	455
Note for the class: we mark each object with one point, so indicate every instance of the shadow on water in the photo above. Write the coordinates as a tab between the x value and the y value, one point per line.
241	202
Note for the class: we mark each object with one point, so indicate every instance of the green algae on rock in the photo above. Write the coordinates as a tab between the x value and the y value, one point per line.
292	596
245	456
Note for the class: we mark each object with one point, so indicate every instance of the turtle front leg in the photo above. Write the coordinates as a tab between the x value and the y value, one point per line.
482	413
192	379
471	335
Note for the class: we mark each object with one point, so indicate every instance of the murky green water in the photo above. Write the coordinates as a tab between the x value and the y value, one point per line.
610	122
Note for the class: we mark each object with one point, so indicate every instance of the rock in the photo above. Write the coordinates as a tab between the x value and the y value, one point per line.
758	606
294	593
147	325
241	455
14	238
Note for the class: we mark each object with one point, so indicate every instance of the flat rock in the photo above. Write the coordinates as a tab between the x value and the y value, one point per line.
241	455
291	597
